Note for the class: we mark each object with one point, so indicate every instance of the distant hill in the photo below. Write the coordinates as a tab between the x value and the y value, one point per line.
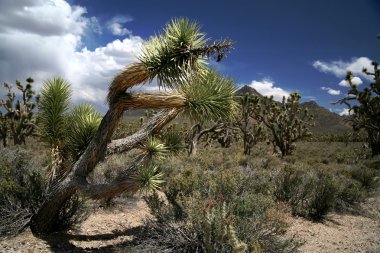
325	120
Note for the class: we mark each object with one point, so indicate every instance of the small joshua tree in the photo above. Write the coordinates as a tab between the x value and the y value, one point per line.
67	129
17	120
287	121
251	129
223	132
365	113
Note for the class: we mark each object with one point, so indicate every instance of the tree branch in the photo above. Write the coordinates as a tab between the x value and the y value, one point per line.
153	126
148	100
124	182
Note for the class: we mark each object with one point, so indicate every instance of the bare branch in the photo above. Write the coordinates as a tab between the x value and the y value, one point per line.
150	101
152	127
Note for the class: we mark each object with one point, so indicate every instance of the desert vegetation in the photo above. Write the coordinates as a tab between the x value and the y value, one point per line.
219	170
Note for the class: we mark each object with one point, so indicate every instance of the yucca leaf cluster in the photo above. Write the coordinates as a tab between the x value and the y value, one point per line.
177	56
209	96
17	119
148	175
173	55
149	178
84	122
53	110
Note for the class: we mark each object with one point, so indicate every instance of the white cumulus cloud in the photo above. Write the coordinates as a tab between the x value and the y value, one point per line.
355	80
266	87
331	91
43	39
340	68
115	25
92	71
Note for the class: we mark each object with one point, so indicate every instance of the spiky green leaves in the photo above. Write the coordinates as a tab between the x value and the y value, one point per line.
53	109
168	56
71	130
173	55
149	179
173	139
209	96
156	149
84	122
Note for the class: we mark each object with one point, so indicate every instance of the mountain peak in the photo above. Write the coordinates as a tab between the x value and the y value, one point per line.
247	90
310	103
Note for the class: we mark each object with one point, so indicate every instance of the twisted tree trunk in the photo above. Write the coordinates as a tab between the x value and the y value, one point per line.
43	220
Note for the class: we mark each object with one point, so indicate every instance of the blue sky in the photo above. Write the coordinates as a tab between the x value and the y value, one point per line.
281	46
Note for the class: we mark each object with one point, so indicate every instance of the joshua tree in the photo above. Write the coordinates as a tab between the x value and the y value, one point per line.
220	131
176	58
251	130
286	121
366	110
68	132
18	117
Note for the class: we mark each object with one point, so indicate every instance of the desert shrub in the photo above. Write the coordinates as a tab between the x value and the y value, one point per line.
126	127
351	193
23	187
311	193
373	163
222	208
72	213
366	176
324	194
314	190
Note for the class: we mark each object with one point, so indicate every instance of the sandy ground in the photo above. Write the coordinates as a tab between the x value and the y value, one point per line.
103	231
111	230
341	233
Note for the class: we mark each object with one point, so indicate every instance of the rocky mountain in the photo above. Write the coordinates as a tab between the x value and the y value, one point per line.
325	120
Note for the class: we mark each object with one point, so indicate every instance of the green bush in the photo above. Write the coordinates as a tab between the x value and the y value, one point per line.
324	194
71	214
218	206
22	189
366	176
350	194
311	193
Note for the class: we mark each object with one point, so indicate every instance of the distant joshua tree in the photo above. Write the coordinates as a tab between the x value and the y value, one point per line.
365	113
286	122
17	121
